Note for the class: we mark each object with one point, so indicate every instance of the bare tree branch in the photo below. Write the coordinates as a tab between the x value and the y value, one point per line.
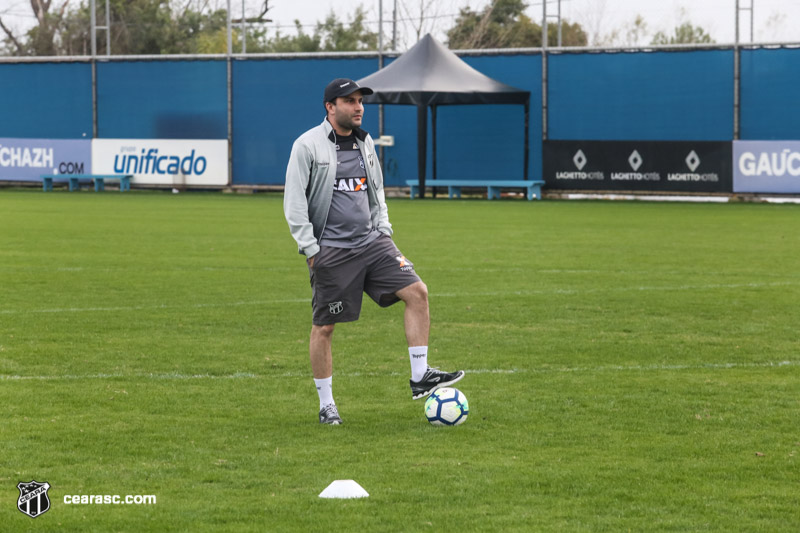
480	31
258	18
11	36
40	9
63	9
417	20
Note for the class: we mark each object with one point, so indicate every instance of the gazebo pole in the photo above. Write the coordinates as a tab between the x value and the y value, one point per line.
433	144
527	137
422	146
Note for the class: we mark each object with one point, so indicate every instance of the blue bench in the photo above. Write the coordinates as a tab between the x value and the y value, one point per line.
75	179
21	180
533	188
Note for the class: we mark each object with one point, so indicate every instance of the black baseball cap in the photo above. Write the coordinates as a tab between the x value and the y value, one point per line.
343	87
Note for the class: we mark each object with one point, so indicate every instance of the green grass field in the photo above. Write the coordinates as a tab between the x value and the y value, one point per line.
631	367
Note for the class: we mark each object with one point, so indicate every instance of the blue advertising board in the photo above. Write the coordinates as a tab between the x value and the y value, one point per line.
30	158
766	166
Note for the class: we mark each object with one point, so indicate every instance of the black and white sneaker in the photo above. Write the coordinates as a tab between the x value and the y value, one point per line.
329	415
432	380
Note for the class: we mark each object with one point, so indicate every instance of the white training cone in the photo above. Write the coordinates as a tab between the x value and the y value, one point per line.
344	488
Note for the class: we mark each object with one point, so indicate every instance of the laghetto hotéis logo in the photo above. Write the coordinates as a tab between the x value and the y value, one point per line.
151	161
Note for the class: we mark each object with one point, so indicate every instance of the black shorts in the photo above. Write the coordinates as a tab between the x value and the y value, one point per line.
341	275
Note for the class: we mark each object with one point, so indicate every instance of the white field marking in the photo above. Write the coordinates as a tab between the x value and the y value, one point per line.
427	269
533	271
138	375
780	200
701	287
178	376
150	307
648	198
143	269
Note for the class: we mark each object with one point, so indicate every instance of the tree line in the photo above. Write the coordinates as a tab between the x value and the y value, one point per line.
190	27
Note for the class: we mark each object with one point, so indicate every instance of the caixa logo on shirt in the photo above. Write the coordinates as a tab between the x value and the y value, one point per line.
350	184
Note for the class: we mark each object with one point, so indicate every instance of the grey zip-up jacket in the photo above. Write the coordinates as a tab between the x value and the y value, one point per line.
310	177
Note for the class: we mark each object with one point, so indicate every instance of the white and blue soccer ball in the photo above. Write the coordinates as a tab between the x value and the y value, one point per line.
447	407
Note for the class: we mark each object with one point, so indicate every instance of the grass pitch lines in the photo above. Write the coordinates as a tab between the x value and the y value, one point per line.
676	288
141	375
632	408
480	294
600	369
153	306
147	269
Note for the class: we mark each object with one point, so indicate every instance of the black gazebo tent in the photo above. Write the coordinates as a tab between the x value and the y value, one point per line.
429	74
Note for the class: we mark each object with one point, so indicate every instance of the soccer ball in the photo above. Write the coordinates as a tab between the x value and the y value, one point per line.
446	407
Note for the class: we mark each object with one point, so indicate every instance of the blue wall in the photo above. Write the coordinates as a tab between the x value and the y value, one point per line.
46	100
675	95
162	100
647	95
770	94
480	141
275	101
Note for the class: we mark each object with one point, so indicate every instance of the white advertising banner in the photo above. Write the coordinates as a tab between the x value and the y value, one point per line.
163	161
766	166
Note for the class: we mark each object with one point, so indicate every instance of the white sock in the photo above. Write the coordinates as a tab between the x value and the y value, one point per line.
419	361
325	391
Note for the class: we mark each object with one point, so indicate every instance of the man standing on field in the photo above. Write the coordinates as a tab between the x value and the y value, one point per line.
336	211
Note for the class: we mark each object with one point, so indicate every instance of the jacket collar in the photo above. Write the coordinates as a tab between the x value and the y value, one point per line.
360	134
